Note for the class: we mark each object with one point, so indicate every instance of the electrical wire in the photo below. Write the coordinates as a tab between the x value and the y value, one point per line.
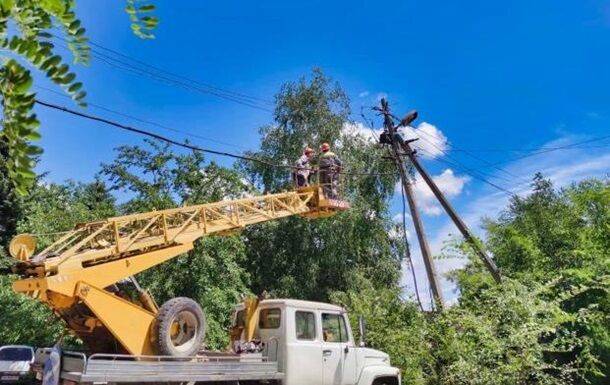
145	121
547	150
474	175
186	145
444	154
408	249
238	94
165	77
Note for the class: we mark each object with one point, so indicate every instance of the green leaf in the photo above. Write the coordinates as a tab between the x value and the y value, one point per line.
75	87
74	26
62	70
6	5
33	150
52	61
68	78
26	173
81	95
146	8
23	86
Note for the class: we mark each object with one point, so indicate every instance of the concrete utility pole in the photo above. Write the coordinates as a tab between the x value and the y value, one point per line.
390	134
489	263
397	140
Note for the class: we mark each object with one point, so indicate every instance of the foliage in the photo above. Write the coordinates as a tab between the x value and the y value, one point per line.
511	334
312	258
24	321
20	126
54	208
212	273
26	32
560	236
395	326
47	209
142	22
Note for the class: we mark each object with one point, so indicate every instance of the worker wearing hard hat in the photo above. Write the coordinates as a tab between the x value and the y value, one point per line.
330	166
303	168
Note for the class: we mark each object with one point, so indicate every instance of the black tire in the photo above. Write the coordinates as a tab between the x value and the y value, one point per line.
179	328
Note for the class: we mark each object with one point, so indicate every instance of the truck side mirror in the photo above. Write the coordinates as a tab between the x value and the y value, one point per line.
362	331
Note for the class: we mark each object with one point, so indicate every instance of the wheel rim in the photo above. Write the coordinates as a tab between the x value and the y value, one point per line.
183	331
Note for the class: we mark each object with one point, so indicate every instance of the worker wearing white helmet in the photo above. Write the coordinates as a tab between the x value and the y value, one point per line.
303	168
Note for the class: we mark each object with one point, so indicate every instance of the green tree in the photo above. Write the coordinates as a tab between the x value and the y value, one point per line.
560	237
45	211
311	258
212	273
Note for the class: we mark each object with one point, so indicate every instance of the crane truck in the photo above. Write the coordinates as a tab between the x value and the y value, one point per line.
87	277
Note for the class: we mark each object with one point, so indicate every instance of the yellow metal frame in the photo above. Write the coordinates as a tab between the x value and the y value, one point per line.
78	268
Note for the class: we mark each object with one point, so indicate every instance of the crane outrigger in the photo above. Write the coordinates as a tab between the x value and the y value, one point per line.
79	276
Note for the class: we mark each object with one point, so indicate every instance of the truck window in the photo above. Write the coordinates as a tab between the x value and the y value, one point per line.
333	328
16	354
305	325
269	319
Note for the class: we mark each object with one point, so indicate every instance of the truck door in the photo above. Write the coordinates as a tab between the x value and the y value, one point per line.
334	343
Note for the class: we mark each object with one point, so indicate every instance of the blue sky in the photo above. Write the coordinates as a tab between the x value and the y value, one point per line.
490	77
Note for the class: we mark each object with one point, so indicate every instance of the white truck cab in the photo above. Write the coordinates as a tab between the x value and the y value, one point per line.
313	344
293	343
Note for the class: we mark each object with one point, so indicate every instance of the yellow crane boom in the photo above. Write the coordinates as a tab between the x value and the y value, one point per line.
75	275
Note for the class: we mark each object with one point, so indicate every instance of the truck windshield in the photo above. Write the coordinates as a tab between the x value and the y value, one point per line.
15	354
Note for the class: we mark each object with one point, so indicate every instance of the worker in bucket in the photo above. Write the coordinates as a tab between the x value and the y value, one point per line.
303	168
330	166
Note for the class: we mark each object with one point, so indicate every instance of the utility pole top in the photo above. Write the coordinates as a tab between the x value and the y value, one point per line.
392	137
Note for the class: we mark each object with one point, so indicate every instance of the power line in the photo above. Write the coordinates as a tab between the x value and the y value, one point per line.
471	155
461	165
525	149
162	77
172	82
495	165
470	173
235	93
145	121
547	150
185	145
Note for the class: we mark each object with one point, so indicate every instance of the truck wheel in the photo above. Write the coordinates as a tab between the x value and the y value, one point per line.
179	328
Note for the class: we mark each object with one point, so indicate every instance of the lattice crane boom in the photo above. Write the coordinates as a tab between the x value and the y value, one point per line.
73	275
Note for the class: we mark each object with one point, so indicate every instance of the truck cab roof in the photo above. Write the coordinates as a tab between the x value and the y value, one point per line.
297	303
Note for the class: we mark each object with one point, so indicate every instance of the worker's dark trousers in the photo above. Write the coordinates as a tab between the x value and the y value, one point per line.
299	180
329	184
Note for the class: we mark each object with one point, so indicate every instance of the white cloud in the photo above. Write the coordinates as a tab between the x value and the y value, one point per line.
361	130
450	184
363	94
431	142
398	217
